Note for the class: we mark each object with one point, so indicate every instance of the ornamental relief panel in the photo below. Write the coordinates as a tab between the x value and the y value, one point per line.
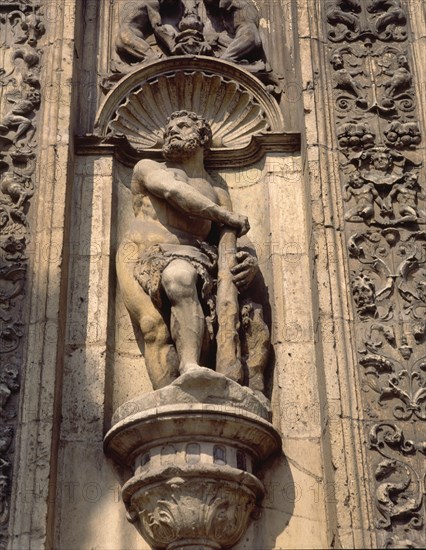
383	191
150	30
21	27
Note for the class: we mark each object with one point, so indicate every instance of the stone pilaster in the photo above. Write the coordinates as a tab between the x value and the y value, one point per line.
372	209
44	63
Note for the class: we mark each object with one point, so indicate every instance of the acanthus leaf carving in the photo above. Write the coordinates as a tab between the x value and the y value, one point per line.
214	512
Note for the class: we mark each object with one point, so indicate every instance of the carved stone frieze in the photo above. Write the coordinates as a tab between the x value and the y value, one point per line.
351	20
149	30
400	486
394	374
392	264
372	81
382	176
21	27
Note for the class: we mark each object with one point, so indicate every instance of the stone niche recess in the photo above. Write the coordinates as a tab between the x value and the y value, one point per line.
187	453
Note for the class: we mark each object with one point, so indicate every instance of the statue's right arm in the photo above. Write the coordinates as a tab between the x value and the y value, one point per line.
152	177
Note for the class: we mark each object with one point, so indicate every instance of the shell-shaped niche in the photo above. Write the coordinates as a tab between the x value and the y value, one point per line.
234	103
232	112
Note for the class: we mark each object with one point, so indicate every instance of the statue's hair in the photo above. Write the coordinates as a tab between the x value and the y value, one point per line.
203	127
379	150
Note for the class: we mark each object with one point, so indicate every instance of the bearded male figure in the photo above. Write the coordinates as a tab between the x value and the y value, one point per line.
167	261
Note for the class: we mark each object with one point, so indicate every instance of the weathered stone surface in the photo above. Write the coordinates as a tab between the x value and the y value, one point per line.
339	232
228	29
179	267
195	387
193	448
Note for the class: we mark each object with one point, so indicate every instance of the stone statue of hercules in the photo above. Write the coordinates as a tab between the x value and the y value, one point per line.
167	253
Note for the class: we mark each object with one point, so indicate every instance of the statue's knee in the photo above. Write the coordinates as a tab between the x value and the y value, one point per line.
179	281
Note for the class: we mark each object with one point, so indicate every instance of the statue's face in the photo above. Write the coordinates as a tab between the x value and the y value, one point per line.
337	61
357	182
363	292
402	60
381	161
181	129
181	139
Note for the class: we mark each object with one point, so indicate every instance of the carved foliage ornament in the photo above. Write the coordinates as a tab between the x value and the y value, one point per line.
21	27
399	485
352	20
168	512
383	190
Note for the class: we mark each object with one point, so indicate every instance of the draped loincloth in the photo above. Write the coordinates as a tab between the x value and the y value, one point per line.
153	262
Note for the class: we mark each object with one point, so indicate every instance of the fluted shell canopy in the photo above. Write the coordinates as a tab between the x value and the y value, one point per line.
233	102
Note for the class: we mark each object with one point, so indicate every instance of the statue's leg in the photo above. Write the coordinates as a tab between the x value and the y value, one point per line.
179	281
160	353
408	214
246	40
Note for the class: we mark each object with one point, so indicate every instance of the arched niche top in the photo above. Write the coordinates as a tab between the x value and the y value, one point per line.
234	102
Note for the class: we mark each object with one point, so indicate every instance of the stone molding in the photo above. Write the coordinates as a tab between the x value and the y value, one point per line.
258	147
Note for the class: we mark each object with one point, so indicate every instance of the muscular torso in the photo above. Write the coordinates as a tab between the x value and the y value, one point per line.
408	196
157	221
363	193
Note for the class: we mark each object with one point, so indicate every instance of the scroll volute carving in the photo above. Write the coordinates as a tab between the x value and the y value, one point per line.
352	20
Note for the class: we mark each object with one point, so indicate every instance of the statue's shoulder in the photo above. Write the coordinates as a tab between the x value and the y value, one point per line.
146	166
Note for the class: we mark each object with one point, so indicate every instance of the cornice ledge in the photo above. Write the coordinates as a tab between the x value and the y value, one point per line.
119	147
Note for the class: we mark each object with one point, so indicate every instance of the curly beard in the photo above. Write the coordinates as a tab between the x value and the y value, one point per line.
176	149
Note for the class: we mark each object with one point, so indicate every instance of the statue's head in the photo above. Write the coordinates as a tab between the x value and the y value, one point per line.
337	61
381	158
184	134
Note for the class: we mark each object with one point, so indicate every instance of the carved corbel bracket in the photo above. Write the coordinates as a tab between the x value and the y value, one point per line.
193	449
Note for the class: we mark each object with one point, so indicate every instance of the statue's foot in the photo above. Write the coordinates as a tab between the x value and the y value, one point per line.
188	367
